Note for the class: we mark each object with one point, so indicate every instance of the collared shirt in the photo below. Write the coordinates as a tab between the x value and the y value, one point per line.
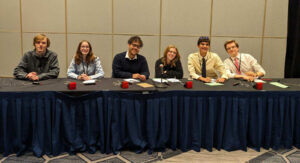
248	63
124	68
214	65
94	70
127	56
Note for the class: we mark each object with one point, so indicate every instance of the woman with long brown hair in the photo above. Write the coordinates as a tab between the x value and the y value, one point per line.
170	64
85	65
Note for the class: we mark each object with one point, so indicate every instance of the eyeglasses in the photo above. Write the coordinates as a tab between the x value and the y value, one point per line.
232	47
204	43
87	47
174	52
136	46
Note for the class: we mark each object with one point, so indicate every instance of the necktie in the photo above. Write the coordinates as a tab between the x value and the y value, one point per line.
236	62
203	68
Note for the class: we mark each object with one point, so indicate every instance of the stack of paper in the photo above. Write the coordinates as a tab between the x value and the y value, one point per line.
87	82
159	80
130	80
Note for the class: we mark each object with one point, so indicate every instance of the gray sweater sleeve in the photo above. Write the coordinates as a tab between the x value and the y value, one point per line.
21	70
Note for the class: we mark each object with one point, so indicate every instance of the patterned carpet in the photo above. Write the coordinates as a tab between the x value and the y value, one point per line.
279	156
271	156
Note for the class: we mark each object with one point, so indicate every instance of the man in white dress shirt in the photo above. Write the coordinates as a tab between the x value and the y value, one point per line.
241	65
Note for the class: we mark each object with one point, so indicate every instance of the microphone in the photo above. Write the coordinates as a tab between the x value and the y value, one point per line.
161	68
161	84
162	71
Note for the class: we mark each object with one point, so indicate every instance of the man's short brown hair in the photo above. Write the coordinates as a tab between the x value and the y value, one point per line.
135	39
203	39
229	42
40	37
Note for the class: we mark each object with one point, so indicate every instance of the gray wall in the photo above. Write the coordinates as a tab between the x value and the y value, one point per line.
260	27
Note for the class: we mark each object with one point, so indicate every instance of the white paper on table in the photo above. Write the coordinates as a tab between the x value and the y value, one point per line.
173	80
279	84
259	81
131	80
89	81
214	84
159	80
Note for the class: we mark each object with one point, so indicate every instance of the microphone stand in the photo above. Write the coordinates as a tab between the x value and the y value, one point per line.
161	84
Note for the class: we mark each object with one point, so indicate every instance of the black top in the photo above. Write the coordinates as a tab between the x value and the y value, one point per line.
124	68
172	72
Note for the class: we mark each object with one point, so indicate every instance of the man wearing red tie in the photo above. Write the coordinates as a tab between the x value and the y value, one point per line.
241	65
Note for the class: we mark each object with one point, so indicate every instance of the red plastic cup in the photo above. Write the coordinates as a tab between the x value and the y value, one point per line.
125	84
72	85
189	84
259	86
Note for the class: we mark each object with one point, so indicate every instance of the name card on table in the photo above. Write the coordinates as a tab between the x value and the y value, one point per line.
214	84
279	85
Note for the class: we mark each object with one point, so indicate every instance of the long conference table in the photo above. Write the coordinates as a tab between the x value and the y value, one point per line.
51	119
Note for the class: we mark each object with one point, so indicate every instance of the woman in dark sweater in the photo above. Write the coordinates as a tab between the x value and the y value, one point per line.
170	63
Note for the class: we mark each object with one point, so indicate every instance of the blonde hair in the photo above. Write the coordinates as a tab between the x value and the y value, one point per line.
40	37
173	62
229	42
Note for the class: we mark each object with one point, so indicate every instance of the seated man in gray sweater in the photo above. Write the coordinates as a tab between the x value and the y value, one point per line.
40	63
